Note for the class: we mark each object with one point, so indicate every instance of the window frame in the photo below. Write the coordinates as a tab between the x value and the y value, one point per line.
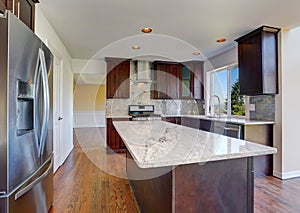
210	85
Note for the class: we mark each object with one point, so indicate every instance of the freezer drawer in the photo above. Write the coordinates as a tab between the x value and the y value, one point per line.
35	195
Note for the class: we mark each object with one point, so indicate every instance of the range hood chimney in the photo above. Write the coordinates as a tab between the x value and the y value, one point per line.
143	71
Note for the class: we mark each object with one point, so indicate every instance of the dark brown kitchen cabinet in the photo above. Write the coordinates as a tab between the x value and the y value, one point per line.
118	78
23	9
26	12
3	5
258	61
166	84
174	120
178	80
191	80
114	141
262	134
190	122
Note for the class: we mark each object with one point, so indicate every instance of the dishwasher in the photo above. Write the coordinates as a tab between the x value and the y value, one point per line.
228	129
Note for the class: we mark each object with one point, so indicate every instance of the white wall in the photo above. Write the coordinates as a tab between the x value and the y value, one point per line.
89	66
290	102
47	34
227	58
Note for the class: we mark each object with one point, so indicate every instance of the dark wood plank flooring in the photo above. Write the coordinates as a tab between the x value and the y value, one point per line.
80	186
274	195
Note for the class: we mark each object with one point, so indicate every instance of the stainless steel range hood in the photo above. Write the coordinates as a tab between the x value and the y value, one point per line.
143	71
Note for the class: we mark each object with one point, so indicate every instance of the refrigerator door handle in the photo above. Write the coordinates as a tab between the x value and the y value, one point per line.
46	103
36	106
36	181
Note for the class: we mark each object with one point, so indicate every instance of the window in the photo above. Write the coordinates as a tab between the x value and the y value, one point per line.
224	85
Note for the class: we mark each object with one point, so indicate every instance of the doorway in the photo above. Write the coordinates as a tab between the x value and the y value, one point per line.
57	110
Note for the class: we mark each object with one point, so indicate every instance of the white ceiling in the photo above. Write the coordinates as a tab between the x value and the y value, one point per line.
88	26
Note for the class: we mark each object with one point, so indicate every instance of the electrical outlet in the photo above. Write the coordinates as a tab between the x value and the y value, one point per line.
252	107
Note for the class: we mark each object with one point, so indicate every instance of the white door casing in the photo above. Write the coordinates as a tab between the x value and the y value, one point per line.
57	111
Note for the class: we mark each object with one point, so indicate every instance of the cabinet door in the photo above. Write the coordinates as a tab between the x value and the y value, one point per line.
205	125
3	6
161	81
186	81
190	122
174	120
110	82
170	119
198	75
122	75
166	80
249	54
258	61
191	80
114	141
117	78
111	142
26	12
172	81
23	9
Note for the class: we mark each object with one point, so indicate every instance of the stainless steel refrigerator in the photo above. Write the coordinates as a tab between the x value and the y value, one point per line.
26	158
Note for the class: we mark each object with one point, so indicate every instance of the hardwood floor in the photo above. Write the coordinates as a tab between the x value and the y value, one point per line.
92	181
81	186
274	195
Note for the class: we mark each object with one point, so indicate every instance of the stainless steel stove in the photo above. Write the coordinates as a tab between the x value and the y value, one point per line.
143	113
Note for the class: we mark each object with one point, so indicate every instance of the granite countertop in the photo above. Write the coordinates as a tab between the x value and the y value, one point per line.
118	116
225	119
158	144
222	119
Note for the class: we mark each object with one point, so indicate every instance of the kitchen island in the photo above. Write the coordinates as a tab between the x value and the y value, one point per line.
174	168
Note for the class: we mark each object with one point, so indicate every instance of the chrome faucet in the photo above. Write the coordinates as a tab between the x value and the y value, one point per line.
219	104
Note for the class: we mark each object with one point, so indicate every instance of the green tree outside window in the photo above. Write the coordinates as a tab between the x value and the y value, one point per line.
237	101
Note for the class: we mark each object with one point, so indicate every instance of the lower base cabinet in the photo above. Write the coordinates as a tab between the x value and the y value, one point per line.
195	123
262	134
113	139
217	186
174	120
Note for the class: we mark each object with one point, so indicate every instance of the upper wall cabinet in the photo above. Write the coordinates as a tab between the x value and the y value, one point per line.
178	80
23	9
26	12
117	78
258	61
3	5
191	80
166	85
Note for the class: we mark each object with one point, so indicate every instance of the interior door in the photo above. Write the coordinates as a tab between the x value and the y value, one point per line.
57	115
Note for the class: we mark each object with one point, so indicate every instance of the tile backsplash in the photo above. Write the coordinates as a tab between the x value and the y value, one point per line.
264	107
140	94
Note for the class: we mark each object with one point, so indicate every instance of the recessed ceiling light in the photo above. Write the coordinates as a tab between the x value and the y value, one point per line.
220	40
147	30
136	47
196	53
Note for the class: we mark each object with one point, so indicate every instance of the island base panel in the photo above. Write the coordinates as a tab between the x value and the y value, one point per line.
219	186
152	187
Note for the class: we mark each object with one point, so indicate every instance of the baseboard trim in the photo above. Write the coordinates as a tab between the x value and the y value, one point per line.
287	175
